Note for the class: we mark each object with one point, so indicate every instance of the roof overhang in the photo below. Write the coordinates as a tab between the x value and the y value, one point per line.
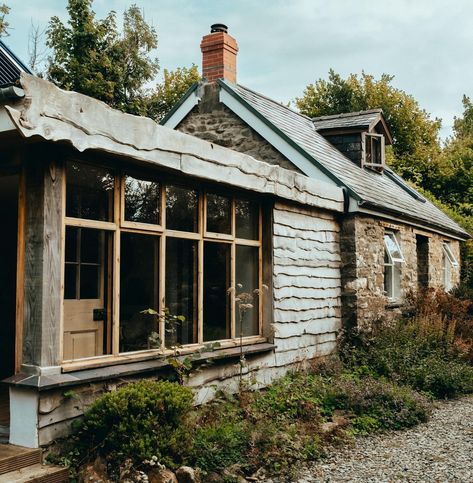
54	115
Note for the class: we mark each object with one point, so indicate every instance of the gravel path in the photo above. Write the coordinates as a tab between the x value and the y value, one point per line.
438	451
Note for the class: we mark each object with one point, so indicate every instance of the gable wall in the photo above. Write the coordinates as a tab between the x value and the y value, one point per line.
217	124
362	250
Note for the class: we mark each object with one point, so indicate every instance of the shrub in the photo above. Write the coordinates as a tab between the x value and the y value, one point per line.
138	421
424	352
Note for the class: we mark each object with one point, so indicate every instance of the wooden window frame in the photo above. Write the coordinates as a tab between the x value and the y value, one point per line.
120	225
367	137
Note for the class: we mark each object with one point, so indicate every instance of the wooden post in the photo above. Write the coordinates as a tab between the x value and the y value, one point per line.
43	246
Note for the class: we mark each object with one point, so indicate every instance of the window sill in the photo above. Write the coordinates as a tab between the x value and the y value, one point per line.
120	368
393	304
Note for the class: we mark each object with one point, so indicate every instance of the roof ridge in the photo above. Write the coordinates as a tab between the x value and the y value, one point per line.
271	100
347	114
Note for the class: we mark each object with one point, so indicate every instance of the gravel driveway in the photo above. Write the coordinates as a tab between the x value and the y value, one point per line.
438	451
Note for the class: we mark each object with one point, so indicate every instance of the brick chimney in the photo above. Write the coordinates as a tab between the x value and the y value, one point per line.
219	54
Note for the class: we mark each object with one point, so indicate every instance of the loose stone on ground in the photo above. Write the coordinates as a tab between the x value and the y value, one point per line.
438	451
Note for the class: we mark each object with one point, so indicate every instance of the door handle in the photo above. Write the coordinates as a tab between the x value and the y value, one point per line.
99	315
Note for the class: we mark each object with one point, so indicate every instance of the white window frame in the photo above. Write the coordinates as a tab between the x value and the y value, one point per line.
449	261
367	138
392	268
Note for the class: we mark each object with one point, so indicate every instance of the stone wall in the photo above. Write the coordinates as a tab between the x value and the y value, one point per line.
362	247
212	121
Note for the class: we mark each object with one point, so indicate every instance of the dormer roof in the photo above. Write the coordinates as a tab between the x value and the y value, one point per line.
369	121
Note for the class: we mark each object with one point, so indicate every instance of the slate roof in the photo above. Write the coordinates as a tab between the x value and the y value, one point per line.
385	192
352	119
10	66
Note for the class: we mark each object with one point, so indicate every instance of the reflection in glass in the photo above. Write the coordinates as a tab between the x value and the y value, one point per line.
85	263
89	192
247	219
247	282
142	200
181	208
138	291
219	211
216	284
181	289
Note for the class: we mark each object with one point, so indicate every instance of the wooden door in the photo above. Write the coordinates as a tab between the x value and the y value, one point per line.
85	283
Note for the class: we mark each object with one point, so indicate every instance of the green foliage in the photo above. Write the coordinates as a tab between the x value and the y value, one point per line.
428	352
91	57
174	85
138	421
416	145
4	10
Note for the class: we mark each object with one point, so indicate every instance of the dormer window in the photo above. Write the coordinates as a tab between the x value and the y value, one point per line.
373	151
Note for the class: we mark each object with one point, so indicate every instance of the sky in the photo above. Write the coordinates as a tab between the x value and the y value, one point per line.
285	45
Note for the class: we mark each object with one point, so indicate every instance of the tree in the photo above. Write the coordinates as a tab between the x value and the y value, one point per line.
416	136
90	56
4	10
169	92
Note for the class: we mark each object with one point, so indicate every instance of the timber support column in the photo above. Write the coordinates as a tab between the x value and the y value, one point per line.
42	293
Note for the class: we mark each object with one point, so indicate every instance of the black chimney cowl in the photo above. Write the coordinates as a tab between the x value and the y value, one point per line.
218	27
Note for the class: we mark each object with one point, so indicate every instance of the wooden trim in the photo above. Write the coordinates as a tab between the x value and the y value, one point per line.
95	224
20	273
162	289
248	243
63	260
134	225
200	271
124	357
116	270
183	234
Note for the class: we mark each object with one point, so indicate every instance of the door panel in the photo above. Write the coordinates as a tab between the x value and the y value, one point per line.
85	292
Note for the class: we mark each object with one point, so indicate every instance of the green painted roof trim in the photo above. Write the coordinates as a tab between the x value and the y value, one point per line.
181	101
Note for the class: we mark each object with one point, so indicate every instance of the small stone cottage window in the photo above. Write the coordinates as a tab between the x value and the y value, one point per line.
393	259
373	151
135	242
449	263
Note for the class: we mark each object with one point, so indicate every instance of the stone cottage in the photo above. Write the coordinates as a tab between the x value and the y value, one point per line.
107	215
393	240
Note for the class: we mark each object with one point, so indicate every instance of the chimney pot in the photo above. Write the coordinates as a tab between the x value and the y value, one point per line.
218	27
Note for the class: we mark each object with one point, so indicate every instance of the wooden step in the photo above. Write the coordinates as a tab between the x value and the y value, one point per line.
13	458
37	474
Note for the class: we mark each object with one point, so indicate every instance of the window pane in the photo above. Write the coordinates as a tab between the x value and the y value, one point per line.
219	214
70	281
388	280
71	244
138	291
393	247
247	282
89	192
216	284
89	282
142	200
181	289
181	208
90	245
247	219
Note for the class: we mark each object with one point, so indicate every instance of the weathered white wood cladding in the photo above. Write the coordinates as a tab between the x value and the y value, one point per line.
306	282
